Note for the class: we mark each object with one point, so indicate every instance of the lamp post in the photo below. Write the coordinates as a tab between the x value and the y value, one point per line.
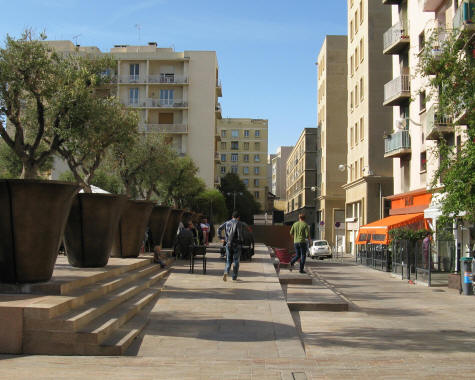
234	197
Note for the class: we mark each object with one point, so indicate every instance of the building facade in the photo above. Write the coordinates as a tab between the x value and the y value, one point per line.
369	176
175	93
278	168
243	150
302	170
332	121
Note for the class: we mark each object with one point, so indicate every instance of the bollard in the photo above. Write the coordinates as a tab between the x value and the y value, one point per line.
466	275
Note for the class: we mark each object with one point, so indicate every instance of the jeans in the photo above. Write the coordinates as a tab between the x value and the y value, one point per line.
233	254
300	253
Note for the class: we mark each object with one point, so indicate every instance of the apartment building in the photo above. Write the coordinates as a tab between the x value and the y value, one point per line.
417	125
332	122
175	93
243	150
279	165
369	176
302	170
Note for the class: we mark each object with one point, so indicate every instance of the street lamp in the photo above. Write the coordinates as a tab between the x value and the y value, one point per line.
234	196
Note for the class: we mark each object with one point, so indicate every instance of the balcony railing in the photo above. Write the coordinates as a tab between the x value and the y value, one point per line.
397	91
465	15
396	38
437	124
156	103
397	144
164	128
154	79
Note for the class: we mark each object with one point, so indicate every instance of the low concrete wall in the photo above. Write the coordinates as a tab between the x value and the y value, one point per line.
274	236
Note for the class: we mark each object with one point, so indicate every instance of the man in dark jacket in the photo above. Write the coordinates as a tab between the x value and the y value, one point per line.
234	237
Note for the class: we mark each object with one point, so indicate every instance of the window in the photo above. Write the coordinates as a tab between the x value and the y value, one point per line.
361	90
246	181
245	158
422	101
351	30
356	169
357	62
351	101
223	169
245	170
362	128
256	194
352	67
234	169
356	21
361	12
234	145
257	146
423	161
246	146
134	71
223	158
223	133
223	145
257	158
352	171
257	133
246	133
256	170
256	183
357	98
351	137
361	167
234	133
133	96
234	157
166	97
361	50
356	133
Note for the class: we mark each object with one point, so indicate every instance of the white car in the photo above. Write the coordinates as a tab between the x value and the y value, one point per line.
320	250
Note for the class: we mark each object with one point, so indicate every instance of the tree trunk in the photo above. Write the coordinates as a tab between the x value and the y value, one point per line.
30	170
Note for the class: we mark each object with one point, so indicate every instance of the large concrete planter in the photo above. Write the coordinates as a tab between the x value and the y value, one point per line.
132	226
33	215
172	226
91	229
158	223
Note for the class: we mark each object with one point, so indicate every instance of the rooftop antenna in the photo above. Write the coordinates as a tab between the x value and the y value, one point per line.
138	27
75	38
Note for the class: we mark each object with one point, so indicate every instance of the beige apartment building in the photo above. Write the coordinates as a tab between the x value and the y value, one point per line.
417	125
369	175
332	122
278	168
175	93
243	150
302	170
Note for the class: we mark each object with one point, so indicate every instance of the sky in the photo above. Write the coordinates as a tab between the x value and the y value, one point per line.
266	49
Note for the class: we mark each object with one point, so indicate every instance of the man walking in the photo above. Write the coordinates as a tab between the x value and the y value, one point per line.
234	238
301	233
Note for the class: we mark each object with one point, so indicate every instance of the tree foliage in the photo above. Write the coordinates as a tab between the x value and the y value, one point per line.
212	203
39	88
141	164
405	233
102	179
448	63
245	202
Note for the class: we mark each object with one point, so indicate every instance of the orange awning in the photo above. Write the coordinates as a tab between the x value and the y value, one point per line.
378	232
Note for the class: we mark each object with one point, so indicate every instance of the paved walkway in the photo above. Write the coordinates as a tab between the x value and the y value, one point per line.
204	328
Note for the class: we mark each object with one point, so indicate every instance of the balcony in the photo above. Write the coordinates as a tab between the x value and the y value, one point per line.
436	124
164	128
397	91
391	2
397	144
464	18
396	38
218	110
219	89
166	79
157	103
432	5
217	157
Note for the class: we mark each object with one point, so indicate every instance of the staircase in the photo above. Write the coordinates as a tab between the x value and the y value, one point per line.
101	316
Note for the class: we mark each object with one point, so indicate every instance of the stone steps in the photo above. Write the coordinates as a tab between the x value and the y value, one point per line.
97	319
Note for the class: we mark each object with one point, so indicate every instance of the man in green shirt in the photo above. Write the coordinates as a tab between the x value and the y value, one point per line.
301	233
